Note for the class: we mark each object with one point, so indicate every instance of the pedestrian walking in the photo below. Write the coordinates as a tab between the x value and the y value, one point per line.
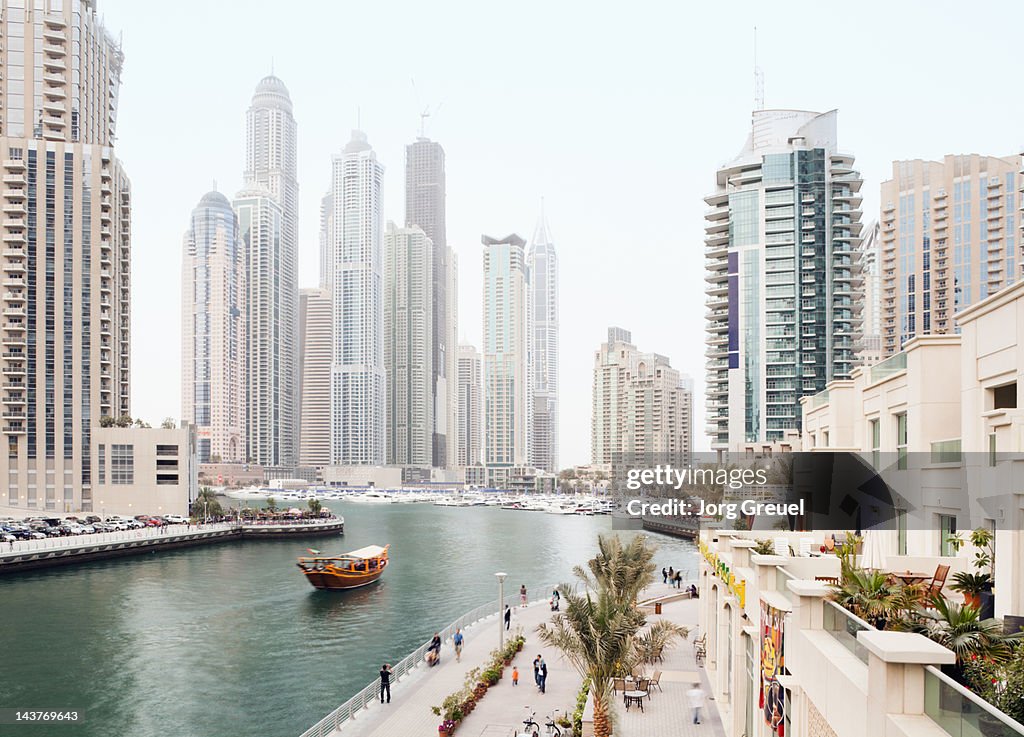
695	696
664	575
679	579
515	675
508	617
522	595
542	676
385	682
671	574
458	645
536	670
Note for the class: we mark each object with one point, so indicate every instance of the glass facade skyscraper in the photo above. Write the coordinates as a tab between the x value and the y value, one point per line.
783	277
542	267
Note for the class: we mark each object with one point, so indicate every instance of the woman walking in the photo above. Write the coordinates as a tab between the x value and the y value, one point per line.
522	595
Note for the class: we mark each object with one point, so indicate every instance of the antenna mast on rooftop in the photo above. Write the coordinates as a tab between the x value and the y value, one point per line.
758	79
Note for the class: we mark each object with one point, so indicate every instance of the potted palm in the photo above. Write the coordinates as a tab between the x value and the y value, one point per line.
971	585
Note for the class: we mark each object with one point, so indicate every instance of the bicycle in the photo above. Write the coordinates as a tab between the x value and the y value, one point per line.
532	729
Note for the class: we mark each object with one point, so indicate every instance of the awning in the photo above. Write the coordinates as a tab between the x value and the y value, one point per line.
370	551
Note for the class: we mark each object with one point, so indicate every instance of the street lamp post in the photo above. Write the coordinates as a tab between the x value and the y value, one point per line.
501	608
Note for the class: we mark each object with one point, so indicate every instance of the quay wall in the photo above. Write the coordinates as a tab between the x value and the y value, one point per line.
28	555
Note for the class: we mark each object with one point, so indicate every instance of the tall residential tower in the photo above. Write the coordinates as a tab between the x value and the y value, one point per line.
67	252
315	328
358	378
507	408
408	342
948	240
213	331
268	215
783	277
542	267
425	207
470	430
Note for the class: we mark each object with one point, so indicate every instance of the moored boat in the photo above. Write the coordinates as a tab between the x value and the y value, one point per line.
346	571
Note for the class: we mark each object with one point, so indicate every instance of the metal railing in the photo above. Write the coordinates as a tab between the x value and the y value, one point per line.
71	542
371	692
961	713
844	625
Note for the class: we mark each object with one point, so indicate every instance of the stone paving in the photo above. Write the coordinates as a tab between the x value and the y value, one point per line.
668	712
499	712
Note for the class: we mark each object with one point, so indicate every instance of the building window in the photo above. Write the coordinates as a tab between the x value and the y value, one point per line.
947	529
1005	397
901	442
901	532
876	444
101	465
122	464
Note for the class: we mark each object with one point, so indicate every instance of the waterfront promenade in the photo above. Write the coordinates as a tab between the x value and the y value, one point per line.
504	707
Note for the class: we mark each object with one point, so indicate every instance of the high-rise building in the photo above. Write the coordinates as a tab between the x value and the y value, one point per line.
542	267
326	241
948	240
358	403
408	343
642	412
272	373
67	251
425	207
470	404
507	408
214	337
315	327
271	143
871	264
451	354
784	293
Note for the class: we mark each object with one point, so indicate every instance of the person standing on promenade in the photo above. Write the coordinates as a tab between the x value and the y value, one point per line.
542	676
385	682
696	698
508	617
536	670
679	579
664	575
458	645
671	574
522	595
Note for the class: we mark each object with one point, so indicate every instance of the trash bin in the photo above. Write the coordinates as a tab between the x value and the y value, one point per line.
657	607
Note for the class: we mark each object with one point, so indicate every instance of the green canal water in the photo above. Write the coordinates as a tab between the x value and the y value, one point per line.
229	640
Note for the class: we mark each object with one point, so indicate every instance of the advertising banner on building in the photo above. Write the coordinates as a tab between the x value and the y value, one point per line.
772	666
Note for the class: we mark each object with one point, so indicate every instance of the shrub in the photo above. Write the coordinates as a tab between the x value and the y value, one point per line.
581	705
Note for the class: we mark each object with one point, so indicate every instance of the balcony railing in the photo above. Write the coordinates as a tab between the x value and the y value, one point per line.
961	713
844	625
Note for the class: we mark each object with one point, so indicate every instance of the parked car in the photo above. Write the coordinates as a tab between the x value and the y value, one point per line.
88	529
7	537
175	519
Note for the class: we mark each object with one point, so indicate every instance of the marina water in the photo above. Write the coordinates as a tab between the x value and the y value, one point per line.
229	639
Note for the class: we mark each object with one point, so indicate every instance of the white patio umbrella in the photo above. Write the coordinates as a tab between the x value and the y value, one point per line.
879	543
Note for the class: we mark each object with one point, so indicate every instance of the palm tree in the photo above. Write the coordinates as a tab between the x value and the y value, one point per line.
595	633
960	629
649	646
623	570
870	595
207	504
315	506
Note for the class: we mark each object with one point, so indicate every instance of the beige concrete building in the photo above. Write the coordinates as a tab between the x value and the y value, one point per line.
642	407
948	241
950	441
315	326
66	258
145	470
870	350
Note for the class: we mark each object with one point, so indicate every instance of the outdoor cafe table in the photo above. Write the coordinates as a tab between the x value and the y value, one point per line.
634	697
910	577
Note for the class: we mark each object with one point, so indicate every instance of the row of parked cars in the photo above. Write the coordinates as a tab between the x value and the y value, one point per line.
40	528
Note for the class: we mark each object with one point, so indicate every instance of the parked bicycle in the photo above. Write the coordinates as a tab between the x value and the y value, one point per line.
532	729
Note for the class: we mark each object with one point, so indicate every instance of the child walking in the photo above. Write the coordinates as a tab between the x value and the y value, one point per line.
515	675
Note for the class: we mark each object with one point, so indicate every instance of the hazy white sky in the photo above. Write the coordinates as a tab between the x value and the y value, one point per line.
617	114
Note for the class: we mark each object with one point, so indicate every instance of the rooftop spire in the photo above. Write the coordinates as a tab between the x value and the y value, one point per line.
542	235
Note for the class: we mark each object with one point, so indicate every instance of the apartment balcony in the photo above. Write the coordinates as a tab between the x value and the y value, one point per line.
14	267
14	179
54	107
13	209
56	81
55	50
15	327
14	165
14	193
54	65
807	197
13	371
12	222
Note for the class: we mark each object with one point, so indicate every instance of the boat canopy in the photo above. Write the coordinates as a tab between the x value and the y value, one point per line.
370	551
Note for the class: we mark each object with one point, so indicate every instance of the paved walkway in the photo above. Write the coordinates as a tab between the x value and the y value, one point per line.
499	712
667	712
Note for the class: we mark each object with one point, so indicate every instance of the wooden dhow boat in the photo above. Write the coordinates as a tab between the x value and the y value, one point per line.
346	571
